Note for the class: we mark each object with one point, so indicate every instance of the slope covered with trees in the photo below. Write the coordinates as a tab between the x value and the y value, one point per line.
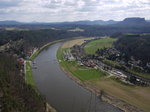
136	46
15	94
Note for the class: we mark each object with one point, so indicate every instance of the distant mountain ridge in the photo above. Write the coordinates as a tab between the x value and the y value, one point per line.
95	22
84	22
126	22
10	22
135	21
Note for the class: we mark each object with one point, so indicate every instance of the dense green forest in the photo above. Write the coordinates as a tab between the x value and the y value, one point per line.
34	37
137	46
15	94
37	34
20	42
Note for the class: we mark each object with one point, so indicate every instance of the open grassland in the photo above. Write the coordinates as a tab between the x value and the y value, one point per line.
91	47
16	29
71	43
134	95
76	30
76	69
29	77
82	73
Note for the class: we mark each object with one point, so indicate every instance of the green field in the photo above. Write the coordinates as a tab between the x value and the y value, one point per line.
76	30
92	46
34	55
135	95
29	77
79	71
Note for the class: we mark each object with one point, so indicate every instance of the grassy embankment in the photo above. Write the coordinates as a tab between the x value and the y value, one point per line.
75	68
28	67
134	95
28	71
29	77
43	47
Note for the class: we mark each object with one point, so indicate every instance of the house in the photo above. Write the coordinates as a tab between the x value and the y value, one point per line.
21	61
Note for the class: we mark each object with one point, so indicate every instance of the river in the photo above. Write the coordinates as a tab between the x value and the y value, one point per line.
64	94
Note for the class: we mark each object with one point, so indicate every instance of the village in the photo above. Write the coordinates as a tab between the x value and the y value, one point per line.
77	53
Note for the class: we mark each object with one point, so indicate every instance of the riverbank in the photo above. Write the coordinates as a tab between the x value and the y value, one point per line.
35	53
104	95
28	73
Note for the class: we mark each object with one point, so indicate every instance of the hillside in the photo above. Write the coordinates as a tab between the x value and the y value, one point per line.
15	94
134	53
138	47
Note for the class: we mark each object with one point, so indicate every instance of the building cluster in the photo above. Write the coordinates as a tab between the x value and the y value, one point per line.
107	52
21	61
115	55
68	56
89	63
77	53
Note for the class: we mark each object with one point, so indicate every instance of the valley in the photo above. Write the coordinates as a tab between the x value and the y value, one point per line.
75	66
98	79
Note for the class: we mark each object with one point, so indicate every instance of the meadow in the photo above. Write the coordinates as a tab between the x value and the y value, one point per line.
130	94
92	46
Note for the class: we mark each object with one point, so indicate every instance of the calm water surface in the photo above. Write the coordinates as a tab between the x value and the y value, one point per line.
62	92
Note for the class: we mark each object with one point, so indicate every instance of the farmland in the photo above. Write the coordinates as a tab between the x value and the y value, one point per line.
92	46
99	79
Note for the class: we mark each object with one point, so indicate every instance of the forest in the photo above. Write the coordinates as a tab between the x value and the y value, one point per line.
15	94
137	46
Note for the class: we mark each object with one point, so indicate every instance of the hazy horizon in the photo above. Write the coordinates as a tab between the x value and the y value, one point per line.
72	10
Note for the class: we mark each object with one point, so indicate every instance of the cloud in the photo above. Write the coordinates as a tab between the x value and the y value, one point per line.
71	10
9	3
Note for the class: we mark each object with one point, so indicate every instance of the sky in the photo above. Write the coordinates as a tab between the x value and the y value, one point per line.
72	10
